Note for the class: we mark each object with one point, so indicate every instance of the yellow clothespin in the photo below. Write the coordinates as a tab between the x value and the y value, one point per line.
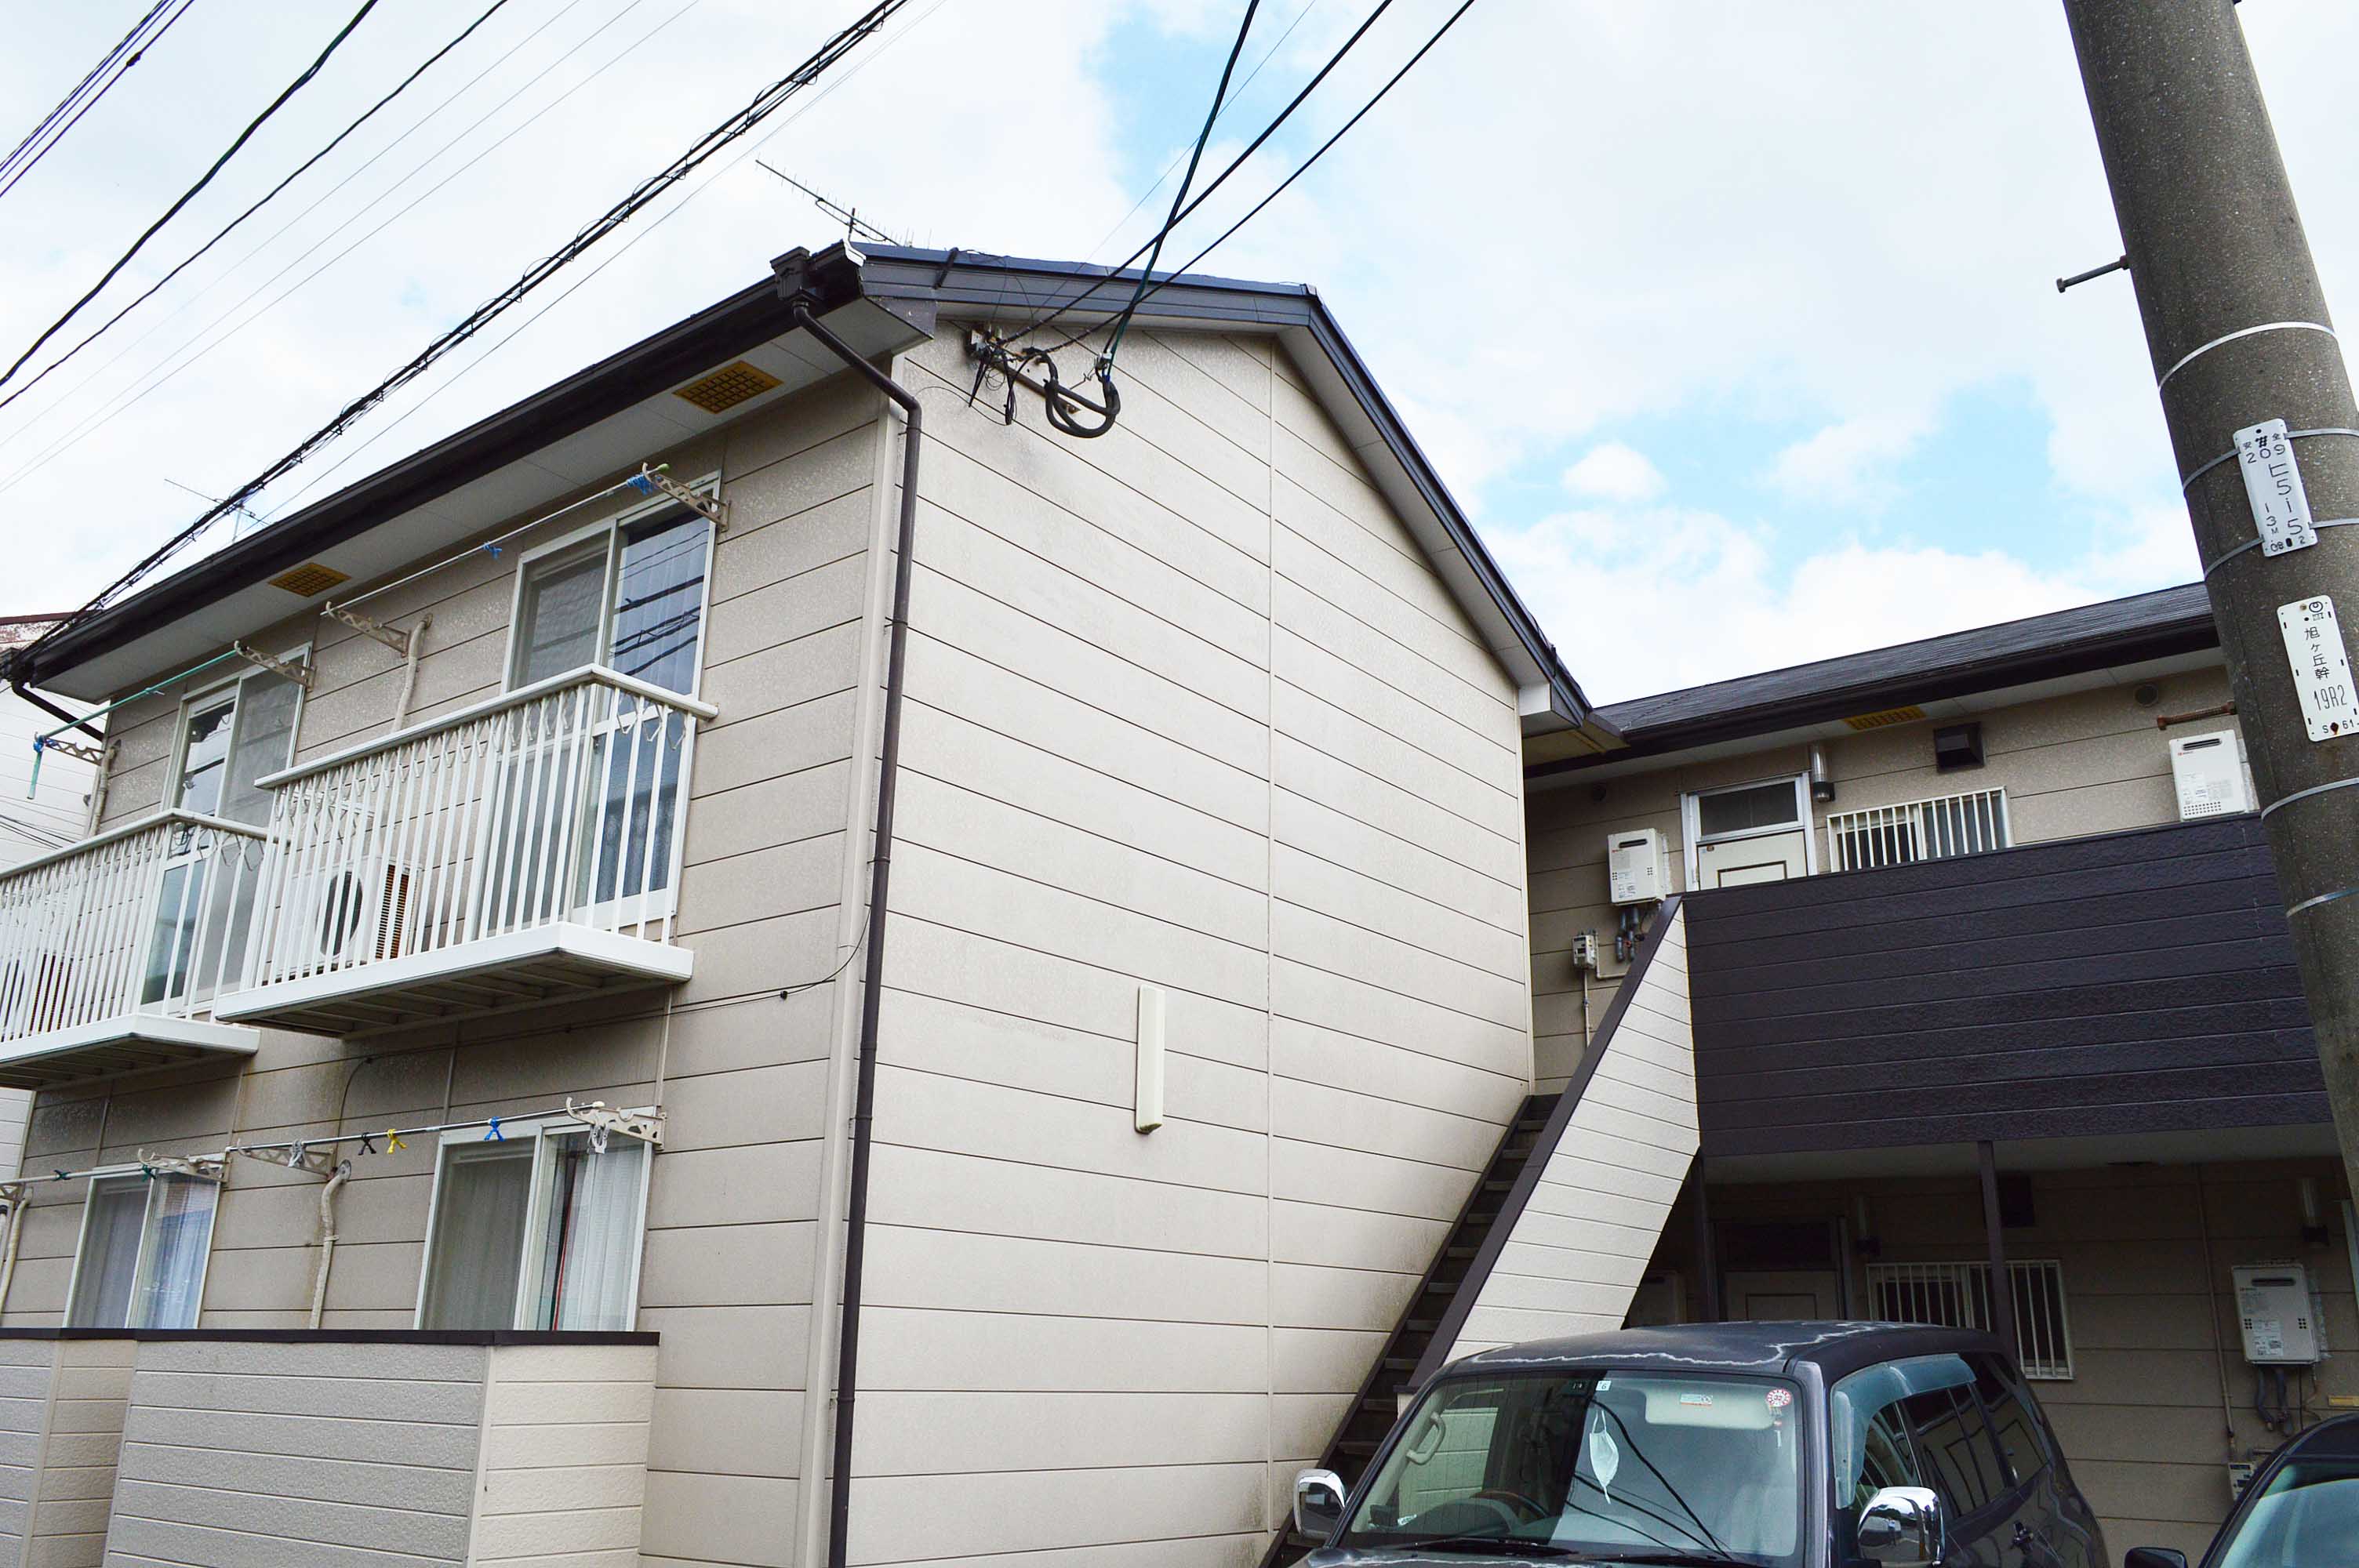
393	1141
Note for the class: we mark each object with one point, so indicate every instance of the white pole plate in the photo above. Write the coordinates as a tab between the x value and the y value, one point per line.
2321	667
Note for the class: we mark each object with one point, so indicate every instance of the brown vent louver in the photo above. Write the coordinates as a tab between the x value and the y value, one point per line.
727	388
1890	716
310	578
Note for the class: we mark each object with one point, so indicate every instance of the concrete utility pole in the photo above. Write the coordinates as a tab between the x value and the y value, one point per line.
2237	327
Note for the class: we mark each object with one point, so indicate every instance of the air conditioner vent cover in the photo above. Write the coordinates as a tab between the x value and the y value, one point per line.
310	579
727	388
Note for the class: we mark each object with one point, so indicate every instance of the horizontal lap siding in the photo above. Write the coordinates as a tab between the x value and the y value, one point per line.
2140	981
1577	1251
1153	737
727	1279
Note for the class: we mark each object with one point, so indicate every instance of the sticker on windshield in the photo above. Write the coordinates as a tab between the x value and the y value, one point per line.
1605	1455
1778	1399
1702	1399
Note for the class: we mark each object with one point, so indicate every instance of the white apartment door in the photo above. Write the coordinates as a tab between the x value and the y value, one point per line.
1750	833
1783	1296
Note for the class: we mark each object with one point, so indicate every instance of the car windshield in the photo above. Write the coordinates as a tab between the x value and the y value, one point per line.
1612	1465
2306	1516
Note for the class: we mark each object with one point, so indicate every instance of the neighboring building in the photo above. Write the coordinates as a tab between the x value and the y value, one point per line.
2000	923
1210	811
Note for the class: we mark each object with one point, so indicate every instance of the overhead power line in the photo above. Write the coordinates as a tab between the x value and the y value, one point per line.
1179	197
86	94
224	232
158	376
190	195
763	103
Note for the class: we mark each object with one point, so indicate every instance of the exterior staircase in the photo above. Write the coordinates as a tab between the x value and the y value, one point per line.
1377	1405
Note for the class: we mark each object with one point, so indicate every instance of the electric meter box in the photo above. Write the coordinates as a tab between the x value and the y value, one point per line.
2275	1311
2210	775
1637	869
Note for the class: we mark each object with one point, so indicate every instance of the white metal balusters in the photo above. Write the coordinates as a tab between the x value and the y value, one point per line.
559	803
1950	825
148	918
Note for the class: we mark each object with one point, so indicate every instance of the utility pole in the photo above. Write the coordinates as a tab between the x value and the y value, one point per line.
2237	325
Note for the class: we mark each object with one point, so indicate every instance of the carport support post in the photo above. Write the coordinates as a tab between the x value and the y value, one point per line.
2237	328
2002	1284
1707	1268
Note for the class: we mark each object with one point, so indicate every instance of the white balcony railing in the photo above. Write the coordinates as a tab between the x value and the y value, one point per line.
404	860
1968	824
146	920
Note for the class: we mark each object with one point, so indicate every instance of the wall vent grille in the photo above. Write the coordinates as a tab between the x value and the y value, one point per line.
727	388
309	580
1888	717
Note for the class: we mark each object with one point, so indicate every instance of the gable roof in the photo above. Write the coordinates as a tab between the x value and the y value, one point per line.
567	436
2118	632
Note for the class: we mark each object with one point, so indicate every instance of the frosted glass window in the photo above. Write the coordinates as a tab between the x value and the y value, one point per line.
559	616
538	1231
472	1260
143	1242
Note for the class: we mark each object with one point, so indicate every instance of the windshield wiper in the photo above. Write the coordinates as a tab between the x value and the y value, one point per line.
1494	1545
1677	1559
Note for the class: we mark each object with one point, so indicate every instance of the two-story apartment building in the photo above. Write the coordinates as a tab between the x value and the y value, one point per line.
1987	978
462	1116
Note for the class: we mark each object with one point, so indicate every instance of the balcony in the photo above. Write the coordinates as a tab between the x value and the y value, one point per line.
521	852
111	952
1973	823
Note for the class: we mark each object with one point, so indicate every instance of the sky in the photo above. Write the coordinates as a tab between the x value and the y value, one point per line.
1733	325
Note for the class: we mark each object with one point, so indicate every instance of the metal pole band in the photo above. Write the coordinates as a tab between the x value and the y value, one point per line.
2245	333
2225	557
2321	898
2230	454
2305	794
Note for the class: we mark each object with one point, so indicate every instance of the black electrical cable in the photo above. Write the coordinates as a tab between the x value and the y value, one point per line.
1179	197
1304	168
191	194
763	105
29	152
268	196
1220	180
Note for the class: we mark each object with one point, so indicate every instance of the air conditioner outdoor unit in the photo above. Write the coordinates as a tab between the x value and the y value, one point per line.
2210	775
345	914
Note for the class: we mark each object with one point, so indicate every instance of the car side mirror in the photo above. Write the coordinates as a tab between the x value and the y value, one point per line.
1901	1527
2153	1557
1319	1503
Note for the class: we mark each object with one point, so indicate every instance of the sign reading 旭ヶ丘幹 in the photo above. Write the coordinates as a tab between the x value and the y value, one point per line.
2273	484
2321	667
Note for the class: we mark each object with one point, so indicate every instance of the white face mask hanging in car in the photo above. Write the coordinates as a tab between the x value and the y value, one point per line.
1604	1454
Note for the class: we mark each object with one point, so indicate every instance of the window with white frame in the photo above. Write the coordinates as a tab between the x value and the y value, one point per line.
629	593
141	1260
1973	823
1958	1295
536	1229
1749	833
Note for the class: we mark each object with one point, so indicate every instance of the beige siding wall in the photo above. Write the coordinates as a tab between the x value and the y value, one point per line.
730	1259
1187	709
1577	1252
62	1404
2145	1254
298	1456
2086	763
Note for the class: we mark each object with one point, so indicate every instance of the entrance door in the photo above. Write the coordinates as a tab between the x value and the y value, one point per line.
1751	833
1783	1296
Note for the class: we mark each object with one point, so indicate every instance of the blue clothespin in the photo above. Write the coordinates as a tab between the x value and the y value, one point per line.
644	483
495	1135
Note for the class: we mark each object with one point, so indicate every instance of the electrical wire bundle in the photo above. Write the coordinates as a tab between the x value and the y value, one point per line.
101	79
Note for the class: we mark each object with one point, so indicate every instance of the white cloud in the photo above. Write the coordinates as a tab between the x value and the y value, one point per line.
1849	463
1612	471
1644	599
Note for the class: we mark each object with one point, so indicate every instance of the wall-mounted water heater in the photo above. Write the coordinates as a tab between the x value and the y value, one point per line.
2210	775
1638	867
2275	1315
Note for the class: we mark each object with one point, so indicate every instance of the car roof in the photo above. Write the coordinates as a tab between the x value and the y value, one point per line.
1837	1349
2337	1437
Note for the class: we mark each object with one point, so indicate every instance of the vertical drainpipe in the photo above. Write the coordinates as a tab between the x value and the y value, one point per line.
847	1359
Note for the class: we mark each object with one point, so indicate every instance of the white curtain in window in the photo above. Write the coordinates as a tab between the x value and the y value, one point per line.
478	1243
590	1239
110	1253
179	1230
